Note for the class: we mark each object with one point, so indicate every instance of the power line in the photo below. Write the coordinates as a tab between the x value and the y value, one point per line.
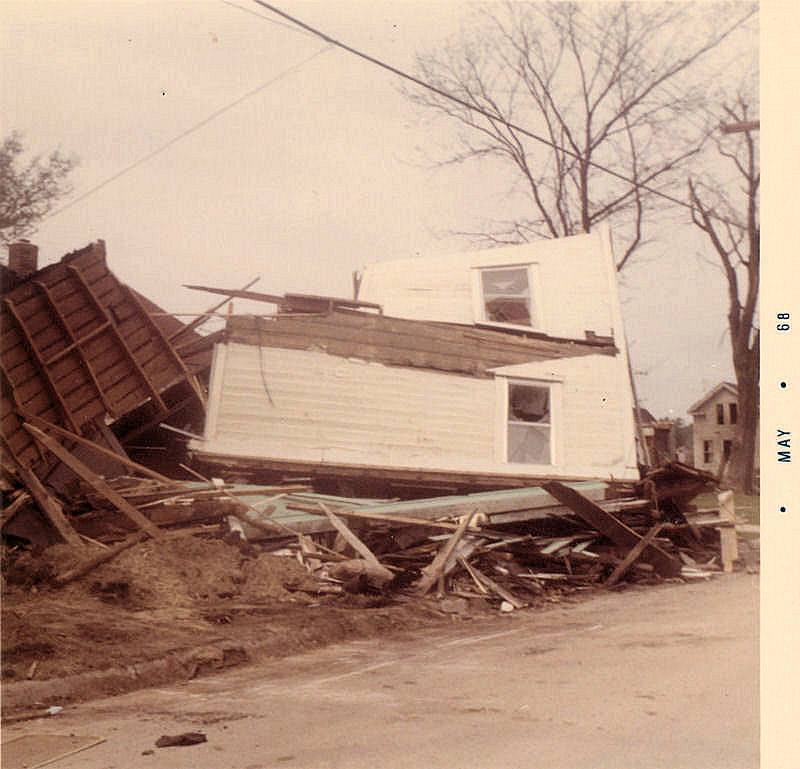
196	127
268	19
487	114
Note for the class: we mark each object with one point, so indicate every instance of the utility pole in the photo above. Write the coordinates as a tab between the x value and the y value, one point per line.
732	128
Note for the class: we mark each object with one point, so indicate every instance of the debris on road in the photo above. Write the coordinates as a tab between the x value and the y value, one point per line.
180	740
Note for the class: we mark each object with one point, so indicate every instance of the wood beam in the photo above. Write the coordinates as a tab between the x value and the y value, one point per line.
611	526
95	481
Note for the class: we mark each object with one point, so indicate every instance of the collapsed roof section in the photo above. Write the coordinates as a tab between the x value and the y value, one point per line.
80	348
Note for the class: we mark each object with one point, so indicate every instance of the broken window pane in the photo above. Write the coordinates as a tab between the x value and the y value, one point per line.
529	444
507	295
528	404
528	424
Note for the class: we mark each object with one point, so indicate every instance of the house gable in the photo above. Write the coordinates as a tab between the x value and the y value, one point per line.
561	287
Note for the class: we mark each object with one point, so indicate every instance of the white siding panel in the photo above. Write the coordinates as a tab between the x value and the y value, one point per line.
330	409
574	275
595	424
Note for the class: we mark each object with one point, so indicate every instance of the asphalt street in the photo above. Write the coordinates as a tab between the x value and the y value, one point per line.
662	677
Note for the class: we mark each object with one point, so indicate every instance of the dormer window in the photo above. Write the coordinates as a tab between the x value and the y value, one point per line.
506	296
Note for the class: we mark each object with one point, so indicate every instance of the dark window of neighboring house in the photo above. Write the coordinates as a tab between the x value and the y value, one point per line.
529	424
727	448
720	413
732	409
506	295
708	452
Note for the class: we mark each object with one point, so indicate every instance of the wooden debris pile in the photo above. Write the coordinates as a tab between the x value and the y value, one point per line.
511	548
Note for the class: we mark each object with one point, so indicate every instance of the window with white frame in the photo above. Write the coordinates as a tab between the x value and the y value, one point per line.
506	295
529	424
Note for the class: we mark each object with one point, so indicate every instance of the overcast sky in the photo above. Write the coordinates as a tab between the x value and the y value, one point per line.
315	174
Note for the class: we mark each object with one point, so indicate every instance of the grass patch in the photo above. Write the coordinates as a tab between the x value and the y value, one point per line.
746	506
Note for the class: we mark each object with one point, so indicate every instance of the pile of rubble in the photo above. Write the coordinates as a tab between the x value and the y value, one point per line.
508	546
93	372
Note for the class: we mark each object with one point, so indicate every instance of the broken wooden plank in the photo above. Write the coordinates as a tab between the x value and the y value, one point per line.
106	555
498	589
49	505
431	573
94	480
123	460
390	518
467	568
635	552
170	496
353	540
611	526
200	319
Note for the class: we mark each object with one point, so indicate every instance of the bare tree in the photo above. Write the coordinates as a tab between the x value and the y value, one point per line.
729	215
28	192
586	103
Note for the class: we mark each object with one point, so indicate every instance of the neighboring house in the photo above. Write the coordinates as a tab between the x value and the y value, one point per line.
716	417
483	370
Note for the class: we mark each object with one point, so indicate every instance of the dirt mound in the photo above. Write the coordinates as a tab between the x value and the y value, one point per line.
160	600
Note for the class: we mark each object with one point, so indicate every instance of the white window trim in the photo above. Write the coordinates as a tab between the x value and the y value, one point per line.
502	387
534	285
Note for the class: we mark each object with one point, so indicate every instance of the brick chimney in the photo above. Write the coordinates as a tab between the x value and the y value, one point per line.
23	258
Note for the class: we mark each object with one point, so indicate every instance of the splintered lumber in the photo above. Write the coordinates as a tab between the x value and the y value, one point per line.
383	517
610	526
121	458
498	589
431	573
727	534
270	528
356	543
95	481
635	552
200	319
92	563
49	506
467	568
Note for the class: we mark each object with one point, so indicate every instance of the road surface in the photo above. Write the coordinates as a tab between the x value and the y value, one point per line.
662	677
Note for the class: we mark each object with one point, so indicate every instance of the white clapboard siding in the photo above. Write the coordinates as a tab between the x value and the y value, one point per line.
323	408
595	426
326	408
577	288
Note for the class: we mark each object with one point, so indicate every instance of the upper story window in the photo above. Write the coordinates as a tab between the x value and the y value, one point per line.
720	413
732	410
507	296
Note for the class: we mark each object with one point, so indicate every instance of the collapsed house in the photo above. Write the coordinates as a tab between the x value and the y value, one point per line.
476	410
458	373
